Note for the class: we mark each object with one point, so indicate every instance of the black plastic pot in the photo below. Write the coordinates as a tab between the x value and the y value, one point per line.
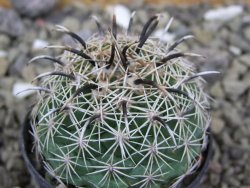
191	181
25	142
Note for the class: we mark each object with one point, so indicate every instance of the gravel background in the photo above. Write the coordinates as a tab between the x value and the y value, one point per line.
225	45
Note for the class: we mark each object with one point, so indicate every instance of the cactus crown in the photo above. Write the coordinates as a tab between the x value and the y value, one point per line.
118	111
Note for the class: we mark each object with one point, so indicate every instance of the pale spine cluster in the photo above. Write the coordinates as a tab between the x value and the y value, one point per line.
119	111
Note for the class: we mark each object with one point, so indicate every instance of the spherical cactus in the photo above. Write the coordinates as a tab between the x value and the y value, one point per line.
119	111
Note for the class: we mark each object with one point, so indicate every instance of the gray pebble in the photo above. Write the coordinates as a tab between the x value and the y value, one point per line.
234	88
6	83
232	115
29	36
214	60
217	91
87	28
33	8
18	65
246	180
238	41
224	185
10	23
233	182
72	23
235	153
4	65
235	24
4	42
246	33
214	179
245	59
217	125
141	16
4	178
202	35
238	68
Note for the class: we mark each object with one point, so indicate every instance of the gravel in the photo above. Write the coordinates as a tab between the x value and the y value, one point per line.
224	44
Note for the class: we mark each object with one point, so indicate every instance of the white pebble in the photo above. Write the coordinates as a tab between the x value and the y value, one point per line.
39	44
223	13
19	87
122	14
164	36
3	53
235	50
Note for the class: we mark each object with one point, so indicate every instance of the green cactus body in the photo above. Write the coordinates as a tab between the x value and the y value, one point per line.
121	112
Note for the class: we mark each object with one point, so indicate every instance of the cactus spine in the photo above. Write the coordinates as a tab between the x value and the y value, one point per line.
118	111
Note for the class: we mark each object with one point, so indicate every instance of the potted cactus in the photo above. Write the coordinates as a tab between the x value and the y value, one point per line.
118	111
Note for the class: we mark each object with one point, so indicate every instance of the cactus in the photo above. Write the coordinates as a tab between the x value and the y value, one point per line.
119	111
